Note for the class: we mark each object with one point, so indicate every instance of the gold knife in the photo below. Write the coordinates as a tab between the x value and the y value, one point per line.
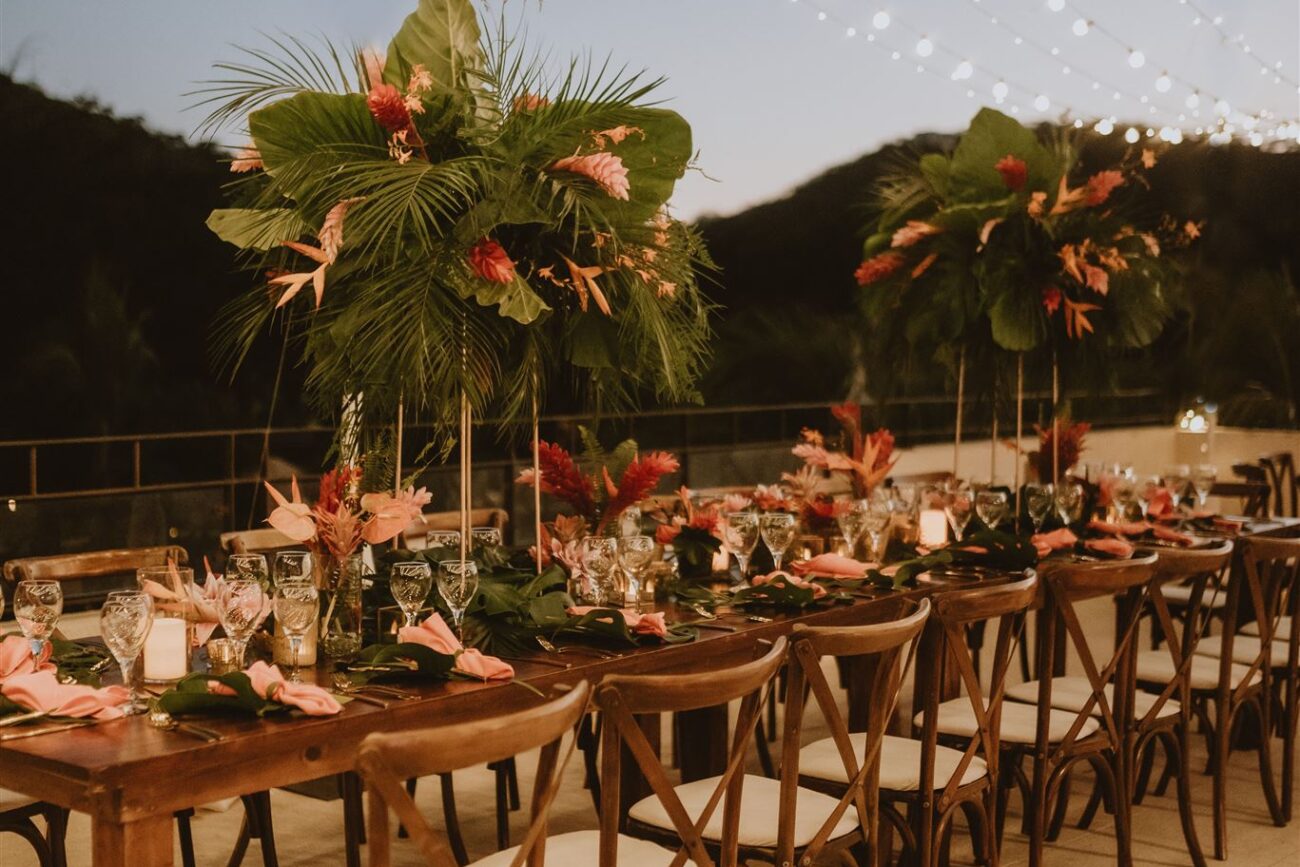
76	724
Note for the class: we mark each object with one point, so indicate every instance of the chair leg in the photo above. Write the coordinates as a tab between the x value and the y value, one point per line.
56	835
1062	804
1265	749
503	809
243	838
1289	720
1219	758
186	835
1176	749
454	835
354	819
24	827
1090	808
589	743
512	783
410	790
1147	763
266	830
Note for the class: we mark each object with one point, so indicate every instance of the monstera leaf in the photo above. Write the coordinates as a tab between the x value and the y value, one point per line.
192	696
251	229
515	300
992	136
404	660
779	592
654	161
442	35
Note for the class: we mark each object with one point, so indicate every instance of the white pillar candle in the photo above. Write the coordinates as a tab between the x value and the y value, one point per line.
167	650
934	528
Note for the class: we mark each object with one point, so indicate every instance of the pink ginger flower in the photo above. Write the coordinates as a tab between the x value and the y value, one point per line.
606	169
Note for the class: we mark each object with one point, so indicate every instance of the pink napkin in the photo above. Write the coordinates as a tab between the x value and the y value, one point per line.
1170	535
16	657
831	566
434	634
817	589
1119	528
1046	543
270	683
1160	504
1229	526
642	624
41	690
1117	548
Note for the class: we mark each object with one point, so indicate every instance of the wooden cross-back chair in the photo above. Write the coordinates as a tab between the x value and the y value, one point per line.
1081	719
844	765
386	760
951	760
263	540
1280	469
1253	496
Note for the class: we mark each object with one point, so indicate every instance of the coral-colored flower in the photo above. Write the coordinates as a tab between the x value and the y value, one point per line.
331	230
912	232
247	159
1096	279
1148	158
530	102
372	60
615	135
1152	245
1070	261
1037	200
770	498
1051	299
491	262
390	515
293	517
1067	199
924	265
1100	185
666	289
1064	436
1014	172
334	486
639	480
878	268
1192	230
666	533
606	169
388	106
562	479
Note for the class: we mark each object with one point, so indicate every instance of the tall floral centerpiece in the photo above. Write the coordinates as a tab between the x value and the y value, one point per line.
864	460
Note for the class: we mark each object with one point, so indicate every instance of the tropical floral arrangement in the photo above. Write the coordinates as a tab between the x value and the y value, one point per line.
693	531
1059	447
333	527
866	458
1017	241
456	218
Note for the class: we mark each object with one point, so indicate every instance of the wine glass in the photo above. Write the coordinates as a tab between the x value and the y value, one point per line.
1039	500
241	609
958	505
246	567
876	516
634	554
599	557
291	566
1125	492
443	539
1069	503
457	584
1147	488
486	537
296	608
410	584
777	530
742	537
851	522
124	623
37	607
992	507
1203	481
1175	480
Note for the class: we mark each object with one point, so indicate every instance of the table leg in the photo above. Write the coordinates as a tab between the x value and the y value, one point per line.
632	784
132	844
702	742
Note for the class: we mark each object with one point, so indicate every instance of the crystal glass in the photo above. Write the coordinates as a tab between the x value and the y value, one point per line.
296	607
1203	481
629	521
1175	480
903	498
291	566
1125	492
246	567
1039	500
486	537
778	530
37	607
341	624
876	517
443	539
599	557
742	537
635	553
410	584
124	623
852	521
457	584
1147	487
1069	502
241	609
992	507
170	643
959	506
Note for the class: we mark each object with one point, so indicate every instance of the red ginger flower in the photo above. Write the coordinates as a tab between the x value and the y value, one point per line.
639	479
1069	440
562	479
1051	299
878	268
1100	185
388	106
491	262
1014	172
607	170
333	486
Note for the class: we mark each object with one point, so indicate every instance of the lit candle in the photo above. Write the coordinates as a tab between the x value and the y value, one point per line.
307	651
167	650
934	528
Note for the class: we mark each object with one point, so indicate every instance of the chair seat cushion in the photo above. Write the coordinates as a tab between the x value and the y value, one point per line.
10	800
1181	594
1156	666
582	849
1071	693
760	808
1244	650
1281	632
900	763
1019	722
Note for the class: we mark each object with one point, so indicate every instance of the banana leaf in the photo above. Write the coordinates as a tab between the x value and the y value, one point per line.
778	592
402	661
192	696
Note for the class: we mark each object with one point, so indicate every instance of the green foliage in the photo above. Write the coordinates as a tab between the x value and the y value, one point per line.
192	695
441	34
400	661
777	593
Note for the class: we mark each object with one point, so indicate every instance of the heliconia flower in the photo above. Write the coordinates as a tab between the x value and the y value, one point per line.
1014	172
1051	299
420	79
1096	278
372	60
530	102
1037	200
1152	245
582	279
666	290
912	232
1070	261
331	231
247	159
1100	185
1148	158
1076	319
638	481
878	268
616	134
1067	199
606	169
491	262
1192	230
388	106
924	265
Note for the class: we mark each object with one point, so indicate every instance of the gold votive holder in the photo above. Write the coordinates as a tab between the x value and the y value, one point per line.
223	656
389	619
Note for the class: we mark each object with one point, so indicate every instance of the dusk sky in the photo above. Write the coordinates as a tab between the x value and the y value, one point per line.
774	93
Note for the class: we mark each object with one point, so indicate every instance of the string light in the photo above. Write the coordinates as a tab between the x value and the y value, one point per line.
880	20
1136	59
1080	27
1238	41
924	47
1163	82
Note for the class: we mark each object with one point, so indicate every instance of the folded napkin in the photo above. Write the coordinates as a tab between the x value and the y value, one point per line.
642	624
1228	525
269	683
1046	543
435	635
1161	504
41	690
831	566
16	657
1169	534
1119	528
1117	548
795	581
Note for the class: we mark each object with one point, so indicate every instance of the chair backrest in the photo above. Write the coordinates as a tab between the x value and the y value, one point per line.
91	574
935	478
619	697
1199	570
415	536
1271	569
386	760
881	644
1280	469
1129	581
1253	495
264	540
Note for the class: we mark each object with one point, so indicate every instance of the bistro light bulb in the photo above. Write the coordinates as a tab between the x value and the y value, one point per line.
1163	83
1193	100
1080	27
1056	5
1042	103
1105	126
924	47
1136	59
963	71
1132	135
1000	90
880	20
1222	109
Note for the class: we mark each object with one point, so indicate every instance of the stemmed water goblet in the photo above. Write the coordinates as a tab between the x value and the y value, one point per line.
991	506
1175	480
38	605
742	537
635	553
410	583
1124	492
457	584
1203	482
241	609
1069	502
959	506
599	557
777	530
851	521
1147	488
449	539
124	622
291	566
486	537
296	608
1039	500
876	517
246	567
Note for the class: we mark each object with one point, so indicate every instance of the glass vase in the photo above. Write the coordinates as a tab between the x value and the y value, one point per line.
340	624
